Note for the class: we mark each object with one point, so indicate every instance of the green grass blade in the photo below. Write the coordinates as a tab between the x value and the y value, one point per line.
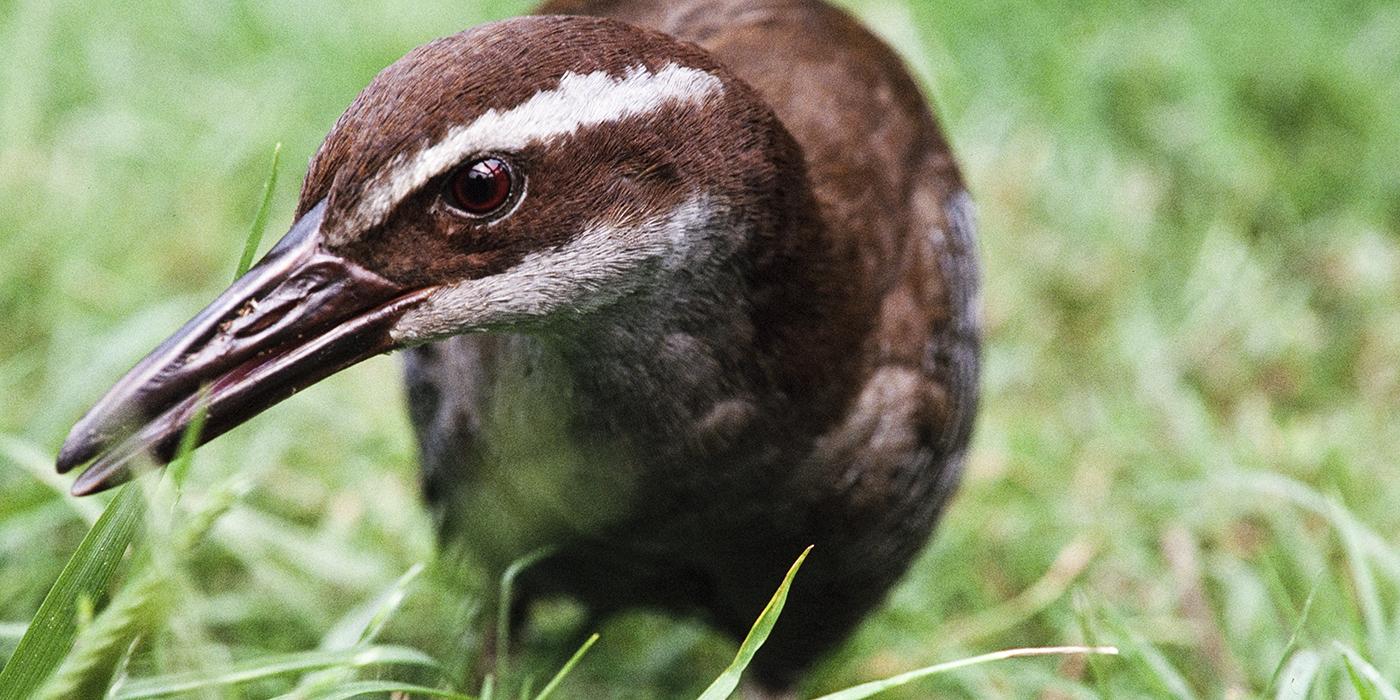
1364	691
1151	665
1083	613
507	594
488	687
359	628
67	663
271	665
568	666
363	625
1298	676
189	440
84	578
1293	638
1363	580
358	688
139	608
255	234
1365	678
88	669
866	690
724	686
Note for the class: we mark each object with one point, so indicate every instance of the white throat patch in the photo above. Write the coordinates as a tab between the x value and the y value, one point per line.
579	101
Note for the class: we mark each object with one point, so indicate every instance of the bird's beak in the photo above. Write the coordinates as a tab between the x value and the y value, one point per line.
301	314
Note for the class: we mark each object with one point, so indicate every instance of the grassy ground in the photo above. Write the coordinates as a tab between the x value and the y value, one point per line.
1190	446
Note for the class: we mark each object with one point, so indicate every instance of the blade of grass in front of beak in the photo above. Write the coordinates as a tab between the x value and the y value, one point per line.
180	467
255	234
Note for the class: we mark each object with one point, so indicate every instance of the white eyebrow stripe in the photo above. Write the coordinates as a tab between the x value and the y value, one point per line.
580	100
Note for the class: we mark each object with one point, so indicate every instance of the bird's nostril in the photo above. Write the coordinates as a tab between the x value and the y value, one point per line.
254	316
248	308
259	322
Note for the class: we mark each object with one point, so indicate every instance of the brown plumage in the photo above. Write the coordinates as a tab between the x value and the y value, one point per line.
731	316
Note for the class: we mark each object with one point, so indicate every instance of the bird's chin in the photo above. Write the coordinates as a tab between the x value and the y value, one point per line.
301	314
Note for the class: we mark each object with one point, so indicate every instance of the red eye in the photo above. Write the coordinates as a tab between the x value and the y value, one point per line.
481	187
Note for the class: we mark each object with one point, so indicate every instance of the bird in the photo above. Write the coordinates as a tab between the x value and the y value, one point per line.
681	288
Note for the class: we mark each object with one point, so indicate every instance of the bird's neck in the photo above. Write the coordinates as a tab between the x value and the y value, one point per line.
759	337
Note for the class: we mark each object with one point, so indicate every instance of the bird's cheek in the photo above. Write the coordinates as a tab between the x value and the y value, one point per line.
485	263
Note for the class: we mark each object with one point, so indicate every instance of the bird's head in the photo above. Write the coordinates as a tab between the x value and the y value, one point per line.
522	175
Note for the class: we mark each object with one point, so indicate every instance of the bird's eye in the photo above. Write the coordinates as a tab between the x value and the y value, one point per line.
480	188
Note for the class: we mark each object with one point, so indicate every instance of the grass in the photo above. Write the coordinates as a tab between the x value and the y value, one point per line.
1189	447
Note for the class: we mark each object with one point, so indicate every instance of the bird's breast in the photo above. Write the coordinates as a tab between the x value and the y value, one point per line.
513	451
525	444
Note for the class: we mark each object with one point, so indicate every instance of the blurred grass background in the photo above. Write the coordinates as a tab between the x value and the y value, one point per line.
1191	236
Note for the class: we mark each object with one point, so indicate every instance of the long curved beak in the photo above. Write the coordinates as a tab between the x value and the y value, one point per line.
298	316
